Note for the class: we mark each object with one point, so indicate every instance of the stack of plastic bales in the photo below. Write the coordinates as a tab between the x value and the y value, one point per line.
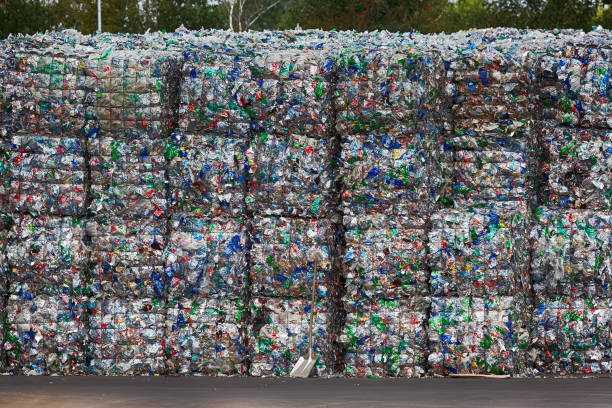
129	209
571	268
45	94
479	252
206	260
390	148
290	194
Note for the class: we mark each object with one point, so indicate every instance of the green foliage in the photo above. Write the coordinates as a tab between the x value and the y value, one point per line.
29	16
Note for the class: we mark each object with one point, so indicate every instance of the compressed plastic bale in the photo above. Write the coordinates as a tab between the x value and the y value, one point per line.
281	263
47	92
204	336
576	167
206	257
375	89
596	99
385	338
290	175
45	334
386	257
133	90
296	93
471	335
47	174
206	172
126	336
574	88
492	161
571	253
278	335
128	175
48	253
480	251
571	335
390	172
218	92
127	257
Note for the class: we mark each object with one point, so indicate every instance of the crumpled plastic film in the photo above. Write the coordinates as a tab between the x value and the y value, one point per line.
475	335
127	336
386	257
204	336
577	167
572	253
480	251
571	335
385	337
127	257
206	172
280	262
206	257
48	254
45	334
290	175
278	335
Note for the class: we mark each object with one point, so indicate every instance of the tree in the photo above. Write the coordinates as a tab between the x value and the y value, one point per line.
24	16
243	14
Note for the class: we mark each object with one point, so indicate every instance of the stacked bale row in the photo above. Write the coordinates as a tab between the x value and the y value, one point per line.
167	200
390	180
46	95
128	210
572	248
206	257
479	250
290	195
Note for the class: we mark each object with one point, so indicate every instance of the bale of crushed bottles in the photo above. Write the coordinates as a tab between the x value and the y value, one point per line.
45	334
571	335
391	147
296	92
492	141
481	251
574	86
277	335
205	336
47	96
127	257
206	257
48	254
291	175
377	89
280	256
576	167
385	257
478	335
219	92
206	172
128	172
572	253
126	336
385	338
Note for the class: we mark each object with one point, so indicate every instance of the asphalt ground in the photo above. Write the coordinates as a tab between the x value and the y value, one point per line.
68	392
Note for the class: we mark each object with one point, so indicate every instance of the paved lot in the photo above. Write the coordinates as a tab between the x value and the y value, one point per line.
51	392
